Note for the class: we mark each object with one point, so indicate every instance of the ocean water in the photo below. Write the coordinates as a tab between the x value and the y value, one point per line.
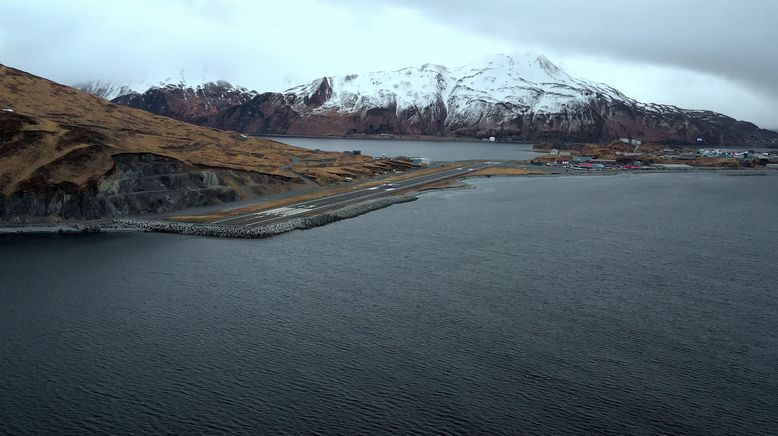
630	304
435	150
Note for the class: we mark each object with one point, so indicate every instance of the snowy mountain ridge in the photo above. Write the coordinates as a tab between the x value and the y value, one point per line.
514	98
112	89
531	82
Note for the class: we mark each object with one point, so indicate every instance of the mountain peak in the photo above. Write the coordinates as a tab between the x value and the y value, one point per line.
512	60
434	68
524	67
498	59
519	96
114	88
547	65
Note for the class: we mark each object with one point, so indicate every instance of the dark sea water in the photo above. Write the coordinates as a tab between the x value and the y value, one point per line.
632	304
435	150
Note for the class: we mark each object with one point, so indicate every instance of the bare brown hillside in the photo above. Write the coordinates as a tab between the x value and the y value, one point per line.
57	143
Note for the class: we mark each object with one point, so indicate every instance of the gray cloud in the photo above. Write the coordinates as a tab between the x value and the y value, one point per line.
673	51
731	39
254	43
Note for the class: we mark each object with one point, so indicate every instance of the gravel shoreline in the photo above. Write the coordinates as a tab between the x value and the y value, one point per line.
80	228
268	230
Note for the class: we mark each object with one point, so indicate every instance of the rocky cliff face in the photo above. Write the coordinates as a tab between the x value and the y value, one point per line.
527	98
137	184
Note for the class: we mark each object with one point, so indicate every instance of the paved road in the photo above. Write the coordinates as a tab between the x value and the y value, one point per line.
346	198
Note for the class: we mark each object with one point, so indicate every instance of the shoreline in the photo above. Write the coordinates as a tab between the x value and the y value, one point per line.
65	229
153	224
394	138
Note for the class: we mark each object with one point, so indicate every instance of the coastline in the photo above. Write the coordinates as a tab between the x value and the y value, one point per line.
392	137
155	224
65	229
268	230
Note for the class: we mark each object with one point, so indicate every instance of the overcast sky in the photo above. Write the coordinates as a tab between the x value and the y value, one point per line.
704	54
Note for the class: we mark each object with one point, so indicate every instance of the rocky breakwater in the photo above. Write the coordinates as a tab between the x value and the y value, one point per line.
268	230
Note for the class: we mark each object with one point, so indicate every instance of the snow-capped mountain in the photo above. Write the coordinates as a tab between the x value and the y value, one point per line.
115	88
533	83
110	90
186	95
191	103
514	98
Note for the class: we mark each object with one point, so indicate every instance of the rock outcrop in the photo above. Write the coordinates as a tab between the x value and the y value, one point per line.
137	184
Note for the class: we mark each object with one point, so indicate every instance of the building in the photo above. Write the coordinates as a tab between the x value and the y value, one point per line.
604	162
581	159
420	161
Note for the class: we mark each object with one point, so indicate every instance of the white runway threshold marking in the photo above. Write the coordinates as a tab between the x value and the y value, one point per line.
286	211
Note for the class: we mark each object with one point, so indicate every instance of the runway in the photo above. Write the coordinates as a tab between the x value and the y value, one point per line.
346	198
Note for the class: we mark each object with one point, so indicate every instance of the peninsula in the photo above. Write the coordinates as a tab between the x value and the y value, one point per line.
67	156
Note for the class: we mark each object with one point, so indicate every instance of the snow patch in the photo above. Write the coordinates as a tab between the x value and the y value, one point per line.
526	83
